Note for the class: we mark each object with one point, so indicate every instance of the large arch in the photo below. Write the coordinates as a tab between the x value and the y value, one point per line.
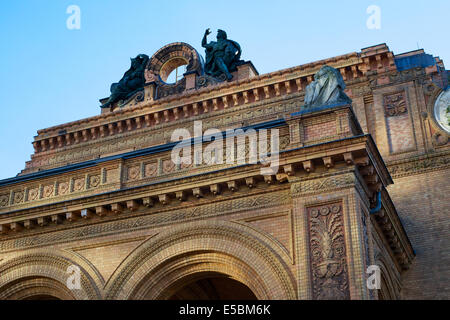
207	286
43	274
195	249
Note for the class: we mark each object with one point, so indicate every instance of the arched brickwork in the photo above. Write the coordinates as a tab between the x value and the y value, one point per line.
32	287
44	273
171	56
197	248
170	275
388	289
209	286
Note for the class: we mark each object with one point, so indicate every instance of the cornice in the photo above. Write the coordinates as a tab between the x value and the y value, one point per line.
419	164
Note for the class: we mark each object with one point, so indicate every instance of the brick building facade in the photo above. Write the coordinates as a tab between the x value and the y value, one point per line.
357	185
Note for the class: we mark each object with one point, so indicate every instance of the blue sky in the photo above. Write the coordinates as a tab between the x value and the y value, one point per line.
51	75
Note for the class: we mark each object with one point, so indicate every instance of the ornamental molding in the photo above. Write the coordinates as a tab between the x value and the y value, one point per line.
149	218
155	169
397	77
419	165
160	134
315	186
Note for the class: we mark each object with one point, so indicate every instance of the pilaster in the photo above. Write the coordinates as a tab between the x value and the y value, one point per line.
329	240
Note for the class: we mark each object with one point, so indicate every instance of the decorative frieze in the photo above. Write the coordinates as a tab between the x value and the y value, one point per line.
32	194
63	188
168	166
151	169
18	197
422	164
94	181
134	223
149	137
48	191
134	172
78	184
395	104
162	168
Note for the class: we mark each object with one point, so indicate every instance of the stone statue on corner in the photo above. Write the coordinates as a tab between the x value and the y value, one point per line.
222	57
326	89
132	81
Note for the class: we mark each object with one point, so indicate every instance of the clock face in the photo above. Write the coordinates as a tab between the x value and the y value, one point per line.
442	110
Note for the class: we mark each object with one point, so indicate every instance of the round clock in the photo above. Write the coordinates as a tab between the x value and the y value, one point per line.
442	110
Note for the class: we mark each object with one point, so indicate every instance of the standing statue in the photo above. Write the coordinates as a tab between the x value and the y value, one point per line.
223	56
132	81
326	89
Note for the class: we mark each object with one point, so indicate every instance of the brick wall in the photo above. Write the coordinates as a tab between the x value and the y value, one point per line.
423	205
400	137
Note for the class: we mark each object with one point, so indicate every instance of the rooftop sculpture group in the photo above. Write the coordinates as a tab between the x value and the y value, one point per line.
222	58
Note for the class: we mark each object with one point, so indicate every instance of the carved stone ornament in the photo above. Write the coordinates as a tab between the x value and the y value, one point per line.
4	198
133	173
395	104
328	254
63	188
166	60
165	90
206	80
94	181
79	184
18	196
440	139
48	191
33	194
151	169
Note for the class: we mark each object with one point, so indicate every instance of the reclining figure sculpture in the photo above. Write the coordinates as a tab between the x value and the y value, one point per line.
132	81
326	89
